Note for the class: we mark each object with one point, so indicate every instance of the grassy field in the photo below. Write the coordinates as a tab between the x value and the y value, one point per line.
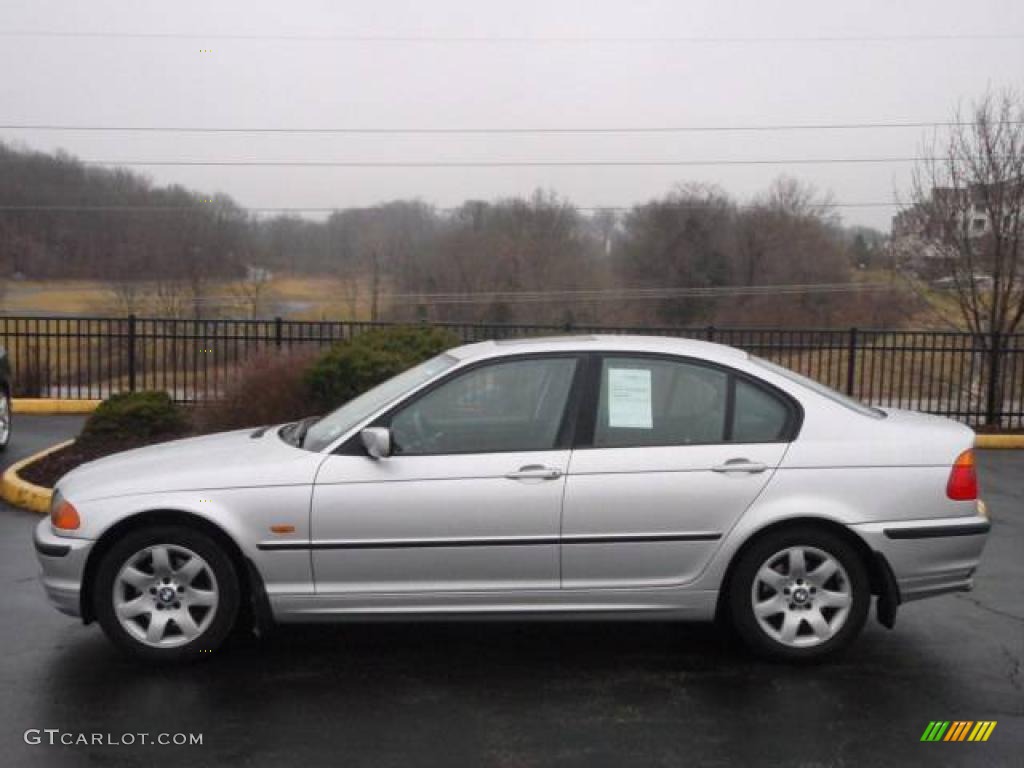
57	296
293	297
327	297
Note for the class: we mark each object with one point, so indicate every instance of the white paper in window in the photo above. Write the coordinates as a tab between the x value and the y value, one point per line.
629	398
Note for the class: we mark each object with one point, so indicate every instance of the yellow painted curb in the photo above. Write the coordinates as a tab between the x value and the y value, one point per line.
21	493
999	441
48	405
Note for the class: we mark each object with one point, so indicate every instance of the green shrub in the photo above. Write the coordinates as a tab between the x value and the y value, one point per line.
354	366
132	416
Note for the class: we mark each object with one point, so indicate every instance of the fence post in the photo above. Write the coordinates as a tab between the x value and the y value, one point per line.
851	362
993	404
278	331
131	353
709	333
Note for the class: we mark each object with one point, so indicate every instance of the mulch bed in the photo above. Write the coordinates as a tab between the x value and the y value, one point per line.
48	470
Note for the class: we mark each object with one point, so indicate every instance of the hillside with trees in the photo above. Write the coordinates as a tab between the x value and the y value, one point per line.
511	260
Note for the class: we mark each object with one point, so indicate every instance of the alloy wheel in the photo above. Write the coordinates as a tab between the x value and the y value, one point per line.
801	596
165	596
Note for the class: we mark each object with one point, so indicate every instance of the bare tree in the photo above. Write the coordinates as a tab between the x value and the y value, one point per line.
197	280
790	234
606	223
348	290
684	240
374	285
344	250
968	207
372	250
170	299
487	254
253	291
128	295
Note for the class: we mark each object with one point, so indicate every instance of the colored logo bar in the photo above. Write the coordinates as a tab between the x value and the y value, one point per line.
958	730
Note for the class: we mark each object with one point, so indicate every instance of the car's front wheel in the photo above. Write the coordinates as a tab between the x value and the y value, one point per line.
799	594
166	593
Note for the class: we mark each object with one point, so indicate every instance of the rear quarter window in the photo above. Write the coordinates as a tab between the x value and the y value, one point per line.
818	388
760	417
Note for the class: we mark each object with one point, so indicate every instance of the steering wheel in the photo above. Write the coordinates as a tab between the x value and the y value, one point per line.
420	438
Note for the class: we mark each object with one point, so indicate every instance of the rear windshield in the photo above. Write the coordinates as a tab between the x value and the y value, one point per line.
821	389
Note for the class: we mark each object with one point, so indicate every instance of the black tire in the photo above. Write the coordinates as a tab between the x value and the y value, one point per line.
6	439
740	599
219	626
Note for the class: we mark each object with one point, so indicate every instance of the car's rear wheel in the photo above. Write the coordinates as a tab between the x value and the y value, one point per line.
166	593
5	419
799	594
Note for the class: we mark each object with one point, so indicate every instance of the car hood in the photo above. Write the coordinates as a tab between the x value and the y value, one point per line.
225	460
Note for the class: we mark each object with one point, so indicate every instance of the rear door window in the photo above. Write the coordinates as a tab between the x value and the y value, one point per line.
659	402
648	401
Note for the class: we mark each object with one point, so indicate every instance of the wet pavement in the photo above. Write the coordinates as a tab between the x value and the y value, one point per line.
513	694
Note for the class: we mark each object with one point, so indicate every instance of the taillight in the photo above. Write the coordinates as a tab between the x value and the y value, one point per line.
65	517
963	479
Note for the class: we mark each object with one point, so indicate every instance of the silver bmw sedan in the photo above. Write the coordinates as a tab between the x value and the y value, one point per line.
619	477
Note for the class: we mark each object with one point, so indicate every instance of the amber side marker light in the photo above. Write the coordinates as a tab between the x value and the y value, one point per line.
65	517
963	478
282	528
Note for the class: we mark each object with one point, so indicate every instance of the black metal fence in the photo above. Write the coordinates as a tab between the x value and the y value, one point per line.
978	379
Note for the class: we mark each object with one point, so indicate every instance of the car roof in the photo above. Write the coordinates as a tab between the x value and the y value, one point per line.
600	343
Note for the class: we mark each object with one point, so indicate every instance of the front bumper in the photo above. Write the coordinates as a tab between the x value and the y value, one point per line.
929	557
63	563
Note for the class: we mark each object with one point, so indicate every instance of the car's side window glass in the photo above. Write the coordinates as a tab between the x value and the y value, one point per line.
659	402
509	406
758	416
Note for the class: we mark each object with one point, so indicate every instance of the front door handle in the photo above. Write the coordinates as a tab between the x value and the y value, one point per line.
535	472
741	465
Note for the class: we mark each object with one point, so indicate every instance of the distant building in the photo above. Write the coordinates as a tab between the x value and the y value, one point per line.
914	229
913	247
966	204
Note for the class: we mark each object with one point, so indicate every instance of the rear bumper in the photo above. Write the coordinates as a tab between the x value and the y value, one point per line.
929	557
63	562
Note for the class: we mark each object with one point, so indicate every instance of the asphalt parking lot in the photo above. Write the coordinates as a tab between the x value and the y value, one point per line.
524	694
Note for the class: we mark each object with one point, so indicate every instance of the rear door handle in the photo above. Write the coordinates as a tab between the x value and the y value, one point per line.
741	465
535	472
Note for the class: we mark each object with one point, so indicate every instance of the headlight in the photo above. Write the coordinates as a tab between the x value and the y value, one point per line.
63	515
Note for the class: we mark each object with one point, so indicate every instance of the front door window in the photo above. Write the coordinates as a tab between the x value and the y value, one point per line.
502	407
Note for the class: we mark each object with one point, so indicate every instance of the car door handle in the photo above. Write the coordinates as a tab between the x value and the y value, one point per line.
741	465
535	472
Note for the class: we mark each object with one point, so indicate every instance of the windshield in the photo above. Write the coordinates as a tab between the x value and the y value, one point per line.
821	389
335	424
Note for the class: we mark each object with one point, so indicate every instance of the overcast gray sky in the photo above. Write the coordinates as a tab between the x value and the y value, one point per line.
154	81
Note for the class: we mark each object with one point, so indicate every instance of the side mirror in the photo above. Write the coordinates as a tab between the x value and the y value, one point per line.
377	441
